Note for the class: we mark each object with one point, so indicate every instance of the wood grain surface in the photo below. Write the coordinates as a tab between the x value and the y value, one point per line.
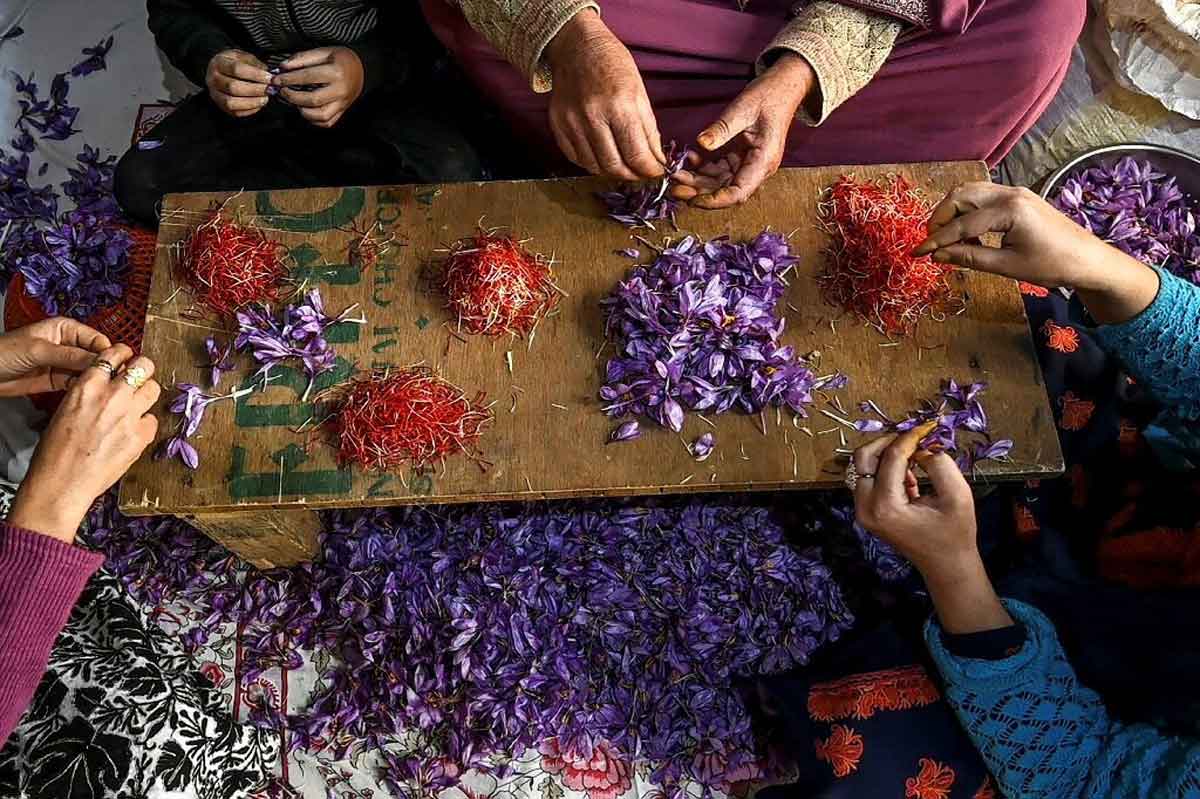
549	435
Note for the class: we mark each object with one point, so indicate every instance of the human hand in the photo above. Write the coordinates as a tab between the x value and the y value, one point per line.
745	145
237	82
338	72
45	355
1040	246
936	532
599	111
99	430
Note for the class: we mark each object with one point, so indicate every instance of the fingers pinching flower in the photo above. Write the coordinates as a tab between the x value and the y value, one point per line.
936	531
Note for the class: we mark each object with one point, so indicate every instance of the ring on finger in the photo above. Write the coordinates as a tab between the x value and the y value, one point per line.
136	377
853	475
104	366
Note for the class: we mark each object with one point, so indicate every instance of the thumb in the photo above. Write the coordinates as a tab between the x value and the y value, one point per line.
947	479
733	120
308	58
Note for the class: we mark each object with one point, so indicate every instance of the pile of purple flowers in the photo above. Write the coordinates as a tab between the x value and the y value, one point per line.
962	425
74	262
1139	210
298	334
488	629
642	204
697	330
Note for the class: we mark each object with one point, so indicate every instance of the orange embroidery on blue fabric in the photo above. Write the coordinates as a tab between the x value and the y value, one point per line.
1027	525
862	695
842	750
1157	558
1076	412
1064	339
1033	290
934	781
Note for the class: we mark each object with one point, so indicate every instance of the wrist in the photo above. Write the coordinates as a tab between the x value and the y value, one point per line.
794	75
49	516
585	26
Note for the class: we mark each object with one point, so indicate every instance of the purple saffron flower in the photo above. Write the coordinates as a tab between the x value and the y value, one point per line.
220	360
641	205
702	447
629	252
958	413
298	335
95	58
626	431
178	447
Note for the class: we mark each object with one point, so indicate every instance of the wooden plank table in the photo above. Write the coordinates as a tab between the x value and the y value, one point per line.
258	482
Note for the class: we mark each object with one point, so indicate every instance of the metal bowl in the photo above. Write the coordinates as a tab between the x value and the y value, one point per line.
1183	166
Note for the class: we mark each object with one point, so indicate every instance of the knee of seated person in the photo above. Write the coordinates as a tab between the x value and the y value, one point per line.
1050	30
453	162
136	186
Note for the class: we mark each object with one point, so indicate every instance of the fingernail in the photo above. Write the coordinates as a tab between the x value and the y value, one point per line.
941	256
924	248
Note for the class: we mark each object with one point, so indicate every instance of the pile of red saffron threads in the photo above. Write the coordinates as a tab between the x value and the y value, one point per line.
495	286
870	269
229	264
394	417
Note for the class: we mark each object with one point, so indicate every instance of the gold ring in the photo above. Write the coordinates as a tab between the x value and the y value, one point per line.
136	377
104	366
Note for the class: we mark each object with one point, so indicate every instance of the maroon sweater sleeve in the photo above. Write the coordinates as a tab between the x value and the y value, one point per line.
41	578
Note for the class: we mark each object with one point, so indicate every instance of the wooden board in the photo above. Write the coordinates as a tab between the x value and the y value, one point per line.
552	443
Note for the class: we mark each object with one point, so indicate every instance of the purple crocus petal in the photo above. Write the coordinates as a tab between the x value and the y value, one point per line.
702	447
149	144
993	451
627	431
869	426
629	252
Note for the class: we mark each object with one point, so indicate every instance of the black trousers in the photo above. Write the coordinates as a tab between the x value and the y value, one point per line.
384	138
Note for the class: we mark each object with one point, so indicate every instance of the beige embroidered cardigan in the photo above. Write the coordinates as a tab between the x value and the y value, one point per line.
845	45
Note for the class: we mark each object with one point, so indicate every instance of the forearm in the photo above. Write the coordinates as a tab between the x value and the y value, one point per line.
964	599
190	33
40	581
1118	287
1150	320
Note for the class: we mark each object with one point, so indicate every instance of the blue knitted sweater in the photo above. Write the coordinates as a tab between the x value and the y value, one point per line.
1041	733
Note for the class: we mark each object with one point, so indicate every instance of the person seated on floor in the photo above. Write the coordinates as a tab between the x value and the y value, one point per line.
303	93
758	84
1015	672
102	426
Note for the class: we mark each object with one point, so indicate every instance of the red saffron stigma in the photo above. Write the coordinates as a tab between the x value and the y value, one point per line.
390	418
229	265
494	286
870	270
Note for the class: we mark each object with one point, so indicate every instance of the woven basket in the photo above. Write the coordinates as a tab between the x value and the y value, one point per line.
122	323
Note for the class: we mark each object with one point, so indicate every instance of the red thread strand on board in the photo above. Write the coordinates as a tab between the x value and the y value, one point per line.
229	265
870	269
495	286
405	416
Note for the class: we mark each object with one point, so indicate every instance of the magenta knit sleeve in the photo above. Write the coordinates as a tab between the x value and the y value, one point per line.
40	580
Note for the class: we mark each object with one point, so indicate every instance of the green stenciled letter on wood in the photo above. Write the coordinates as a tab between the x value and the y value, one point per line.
312	267
341	213
285	480
292	414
